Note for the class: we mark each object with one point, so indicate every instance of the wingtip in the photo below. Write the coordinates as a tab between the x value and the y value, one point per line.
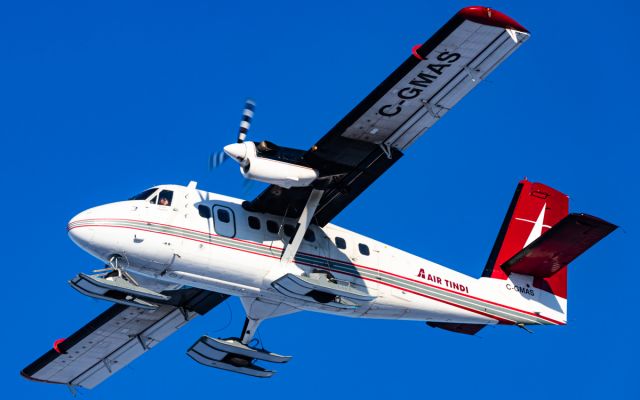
489	16
56	345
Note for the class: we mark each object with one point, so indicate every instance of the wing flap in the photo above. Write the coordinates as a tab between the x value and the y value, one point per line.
560	245
115	338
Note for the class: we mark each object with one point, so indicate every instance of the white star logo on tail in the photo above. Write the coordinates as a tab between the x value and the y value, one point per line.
537	226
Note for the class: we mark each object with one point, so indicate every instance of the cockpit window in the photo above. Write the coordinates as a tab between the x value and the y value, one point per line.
165	197
144	195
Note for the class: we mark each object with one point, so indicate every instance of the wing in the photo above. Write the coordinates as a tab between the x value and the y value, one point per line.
374	135
115	338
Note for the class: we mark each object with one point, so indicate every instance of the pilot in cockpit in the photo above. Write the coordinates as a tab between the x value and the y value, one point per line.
163	198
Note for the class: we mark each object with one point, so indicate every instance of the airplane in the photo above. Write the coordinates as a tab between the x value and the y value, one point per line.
175	252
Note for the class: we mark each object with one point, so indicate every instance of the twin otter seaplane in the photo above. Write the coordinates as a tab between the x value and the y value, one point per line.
173	252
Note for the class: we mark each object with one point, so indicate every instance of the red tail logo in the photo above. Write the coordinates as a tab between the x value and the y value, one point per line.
535	208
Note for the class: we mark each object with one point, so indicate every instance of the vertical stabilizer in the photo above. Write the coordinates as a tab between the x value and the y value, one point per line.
535	208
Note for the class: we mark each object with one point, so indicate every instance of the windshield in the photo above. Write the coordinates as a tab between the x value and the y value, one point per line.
144	195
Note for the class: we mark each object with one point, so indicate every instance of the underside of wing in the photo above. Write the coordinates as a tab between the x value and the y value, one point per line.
374	135
559	246
115	338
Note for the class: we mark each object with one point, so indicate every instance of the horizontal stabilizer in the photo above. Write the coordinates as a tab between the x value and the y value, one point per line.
467	329
560	245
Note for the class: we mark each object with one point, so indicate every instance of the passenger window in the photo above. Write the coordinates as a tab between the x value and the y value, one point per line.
204	211
289	230
272	226
165	197
364	249
341	243
254	222
223	215
309	236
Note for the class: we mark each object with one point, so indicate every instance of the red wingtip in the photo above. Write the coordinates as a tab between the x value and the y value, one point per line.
489	16
414	51
56	345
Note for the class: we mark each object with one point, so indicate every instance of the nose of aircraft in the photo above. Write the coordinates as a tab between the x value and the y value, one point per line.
237	151
79	230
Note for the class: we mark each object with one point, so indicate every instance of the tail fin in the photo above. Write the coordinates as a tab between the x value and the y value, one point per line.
539	238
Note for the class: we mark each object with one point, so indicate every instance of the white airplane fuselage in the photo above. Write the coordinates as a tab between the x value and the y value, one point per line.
171	246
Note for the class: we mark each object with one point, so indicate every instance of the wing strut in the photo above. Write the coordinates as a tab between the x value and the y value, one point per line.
303	224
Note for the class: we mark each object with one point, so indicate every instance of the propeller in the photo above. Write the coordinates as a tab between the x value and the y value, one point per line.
217	158
247	116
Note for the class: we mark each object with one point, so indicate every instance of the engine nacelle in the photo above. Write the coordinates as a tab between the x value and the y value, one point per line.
269	170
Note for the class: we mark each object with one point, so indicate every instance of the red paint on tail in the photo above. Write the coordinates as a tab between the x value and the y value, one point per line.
535	208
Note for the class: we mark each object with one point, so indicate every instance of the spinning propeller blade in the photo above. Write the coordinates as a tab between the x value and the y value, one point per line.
247	116
218	158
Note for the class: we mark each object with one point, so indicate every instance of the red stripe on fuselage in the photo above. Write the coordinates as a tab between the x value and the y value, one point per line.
312	255
502	320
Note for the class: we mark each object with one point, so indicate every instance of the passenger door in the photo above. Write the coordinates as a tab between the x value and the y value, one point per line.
224	221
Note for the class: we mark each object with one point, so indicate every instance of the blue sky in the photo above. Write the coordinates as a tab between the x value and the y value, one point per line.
101	100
